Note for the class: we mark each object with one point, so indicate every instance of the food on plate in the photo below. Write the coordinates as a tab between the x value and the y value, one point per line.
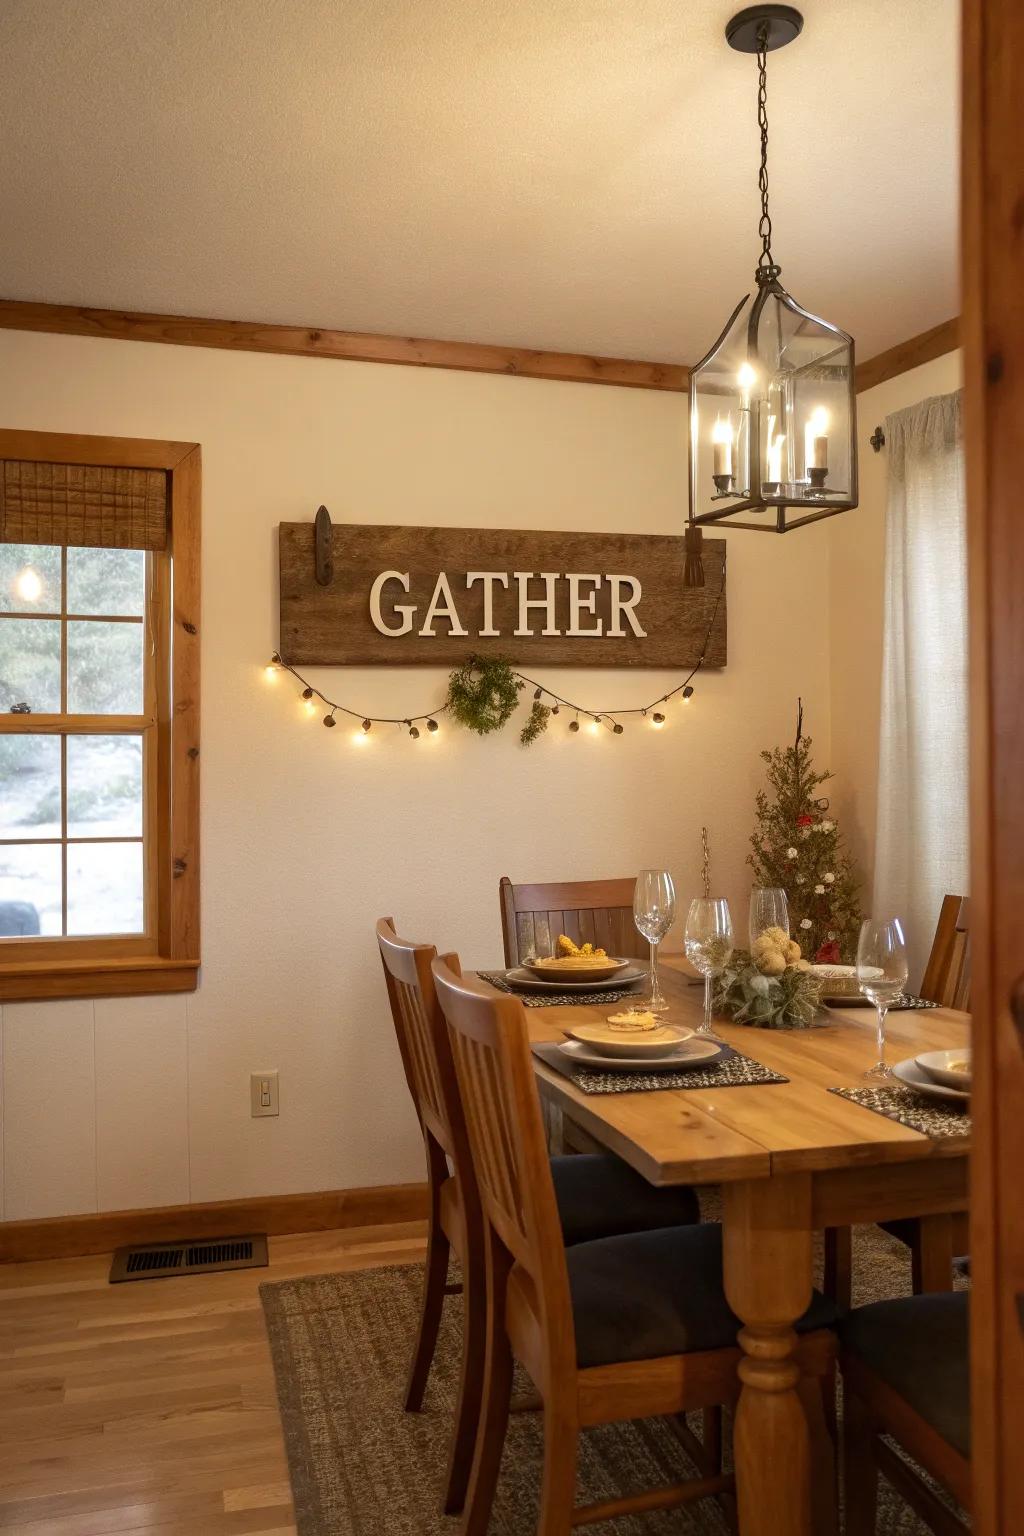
635	1021
568	950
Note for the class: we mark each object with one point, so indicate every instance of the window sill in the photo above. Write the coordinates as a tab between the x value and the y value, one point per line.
139	976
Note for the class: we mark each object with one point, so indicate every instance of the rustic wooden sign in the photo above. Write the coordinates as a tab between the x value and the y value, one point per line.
420	596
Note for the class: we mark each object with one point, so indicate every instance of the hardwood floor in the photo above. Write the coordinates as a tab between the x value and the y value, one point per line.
150	1406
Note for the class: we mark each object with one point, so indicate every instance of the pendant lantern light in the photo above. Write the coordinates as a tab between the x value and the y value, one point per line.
773	423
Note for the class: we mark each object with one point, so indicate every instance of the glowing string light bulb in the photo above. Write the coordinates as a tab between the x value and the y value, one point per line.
29	585
657	720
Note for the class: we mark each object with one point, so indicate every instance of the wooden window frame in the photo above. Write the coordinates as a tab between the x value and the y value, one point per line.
167	957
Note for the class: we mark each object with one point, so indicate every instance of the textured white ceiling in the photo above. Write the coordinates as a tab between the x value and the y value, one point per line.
571	174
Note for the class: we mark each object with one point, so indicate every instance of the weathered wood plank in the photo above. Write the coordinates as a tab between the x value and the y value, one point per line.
334	625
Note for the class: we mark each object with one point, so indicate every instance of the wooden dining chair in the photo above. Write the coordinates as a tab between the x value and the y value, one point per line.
454	1217
905	1366
617	1329
596	911
596	1195
934	1241
947	976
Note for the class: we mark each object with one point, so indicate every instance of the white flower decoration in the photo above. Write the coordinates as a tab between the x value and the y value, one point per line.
831	935
805	831
800	879
819	890
791	853
806	923
829	878
826	826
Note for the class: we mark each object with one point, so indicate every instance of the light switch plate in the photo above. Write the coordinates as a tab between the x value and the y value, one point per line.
263	1092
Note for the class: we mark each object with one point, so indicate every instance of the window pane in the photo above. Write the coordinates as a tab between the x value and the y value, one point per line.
104	668
29	578
29	889
106	580
105	888
30	786
30	665
104	786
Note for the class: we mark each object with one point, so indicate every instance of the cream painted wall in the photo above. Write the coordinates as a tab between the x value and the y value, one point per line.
856	611
308	838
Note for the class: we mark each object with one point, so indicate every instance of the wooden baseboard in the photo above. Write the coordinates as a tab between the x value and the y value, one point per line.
60	1237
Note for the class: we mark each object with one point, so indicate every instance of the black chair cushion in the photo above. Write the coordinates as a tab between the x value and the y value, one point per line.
599	1195
658	1293
918	1345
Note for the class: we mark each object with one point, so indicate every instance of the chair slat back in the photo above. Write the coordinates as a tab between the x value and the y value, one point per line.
422	1034
947	976
599	912
491	1048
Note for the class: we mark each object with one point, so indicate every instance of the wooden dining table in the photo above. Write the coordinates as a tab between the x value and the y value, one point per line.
791	1159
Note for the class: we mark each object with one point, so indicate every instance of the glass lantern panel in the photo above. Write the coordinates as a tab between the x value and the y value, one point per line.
722	389
804	417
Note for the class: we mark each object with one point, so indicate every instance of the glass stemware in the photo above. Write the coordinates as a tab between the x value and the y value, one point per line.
708	945
654	912
882	971
768	909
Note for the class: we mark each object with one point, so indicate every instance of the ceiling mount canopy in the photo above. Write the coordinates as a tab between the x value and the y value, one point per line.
773	404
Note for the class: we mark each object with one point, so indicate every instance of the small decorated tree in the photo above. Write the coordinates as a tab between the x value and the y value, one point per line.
797	847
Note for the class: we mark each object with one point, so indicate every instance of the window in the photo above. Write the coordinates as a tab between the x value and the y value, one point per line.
98	715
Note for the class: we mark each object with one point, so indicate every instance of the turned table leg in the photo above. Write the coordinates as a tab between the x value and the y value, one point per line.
767	1258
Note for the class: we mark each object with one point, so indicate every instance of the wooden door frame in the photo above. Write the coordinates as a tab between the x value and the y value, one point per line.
993	334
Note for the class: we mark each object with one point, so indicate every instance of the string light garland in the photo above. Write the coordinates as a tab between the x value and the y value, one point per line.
545	702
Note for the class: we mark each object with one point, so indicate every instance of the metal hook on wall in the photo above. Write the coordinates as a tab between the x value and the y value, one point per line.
322	550
877	439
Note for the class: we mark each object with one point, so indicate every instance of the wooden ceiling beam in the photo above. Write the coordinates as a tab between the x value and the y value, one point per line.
414	352
351	346
909	354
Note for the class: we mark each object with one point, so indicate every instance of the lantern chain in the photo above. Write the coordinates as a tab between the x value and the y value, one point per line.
766	262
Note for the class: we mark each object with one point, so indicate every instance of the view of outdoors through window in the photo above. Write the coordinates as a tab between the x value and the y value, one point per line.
72	633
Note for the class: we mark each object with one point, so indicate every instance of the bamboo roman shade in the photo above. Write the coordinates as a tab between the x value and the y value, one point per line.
99	506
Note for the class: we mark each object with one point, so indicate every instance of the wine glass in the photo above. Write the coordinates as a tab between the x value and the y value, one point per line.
882	971
654	912
708	944
768	909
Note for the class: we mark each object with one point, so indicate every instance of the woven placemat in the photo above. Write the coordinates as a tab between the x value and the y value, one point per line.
730	1070
561	999
898	1103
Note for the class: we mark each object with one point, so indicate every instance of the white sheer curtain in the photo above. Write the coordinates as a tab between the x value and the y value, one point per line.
921	848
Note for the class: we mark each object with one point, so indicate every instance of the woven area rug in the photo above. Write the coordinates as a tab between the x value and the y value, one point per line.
361	1467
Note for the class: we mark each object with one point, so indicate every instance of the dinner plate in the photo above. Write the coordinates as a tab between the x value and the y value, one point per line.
839	987
692	1053
605	1040
940	1066
525	981
914	1077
